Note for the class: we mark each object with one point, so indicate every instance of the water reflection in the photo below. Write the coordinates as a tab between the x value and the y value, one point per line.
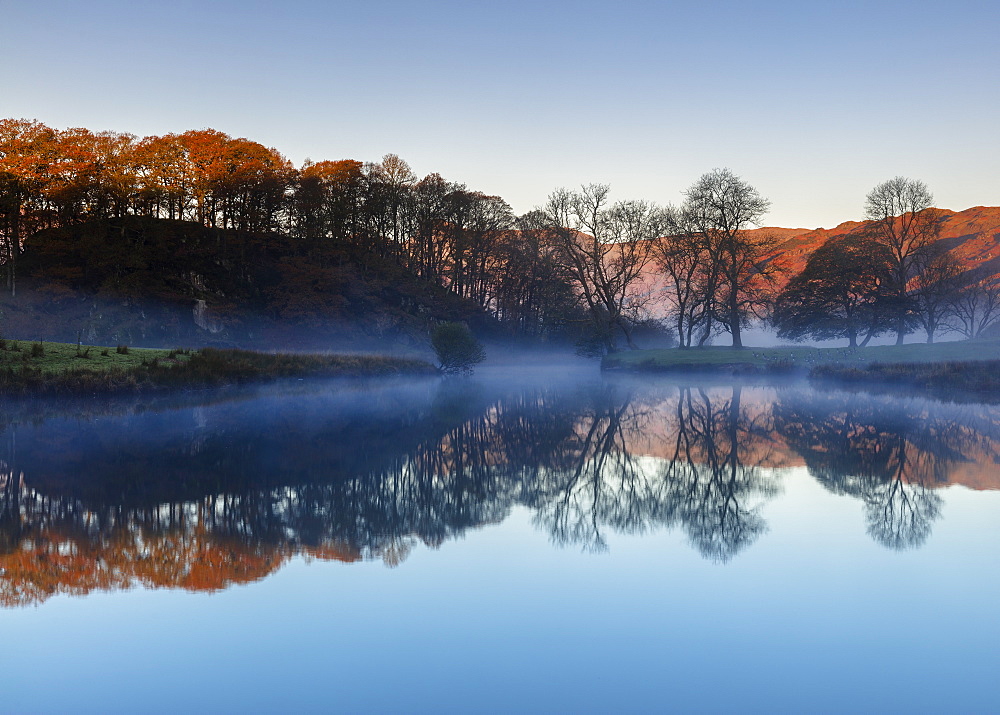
714	479
889	453
208	495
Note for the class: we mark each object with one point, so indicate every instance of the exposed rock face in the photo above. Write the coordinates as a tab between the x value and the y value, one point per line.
205	320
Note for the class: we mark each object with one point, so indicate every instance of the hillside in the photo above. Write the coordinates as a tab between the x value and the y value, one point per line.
973	236
146	281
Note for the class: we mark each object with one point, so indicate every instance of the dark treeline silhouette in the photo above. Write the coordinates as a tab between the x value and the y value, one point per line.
290	242
225	492
230	227
892	275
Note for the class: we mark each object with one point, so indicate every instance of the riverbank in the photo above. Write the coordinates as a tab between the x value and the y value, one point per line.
45	368
950	380
794	359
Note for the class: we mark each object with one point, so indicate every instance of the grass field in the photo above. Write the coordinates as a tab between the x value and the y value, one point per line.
55	358
797	358
58	368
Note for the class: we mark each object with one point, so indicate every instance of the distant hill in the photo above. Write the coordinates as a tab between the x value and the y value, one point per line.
972	236
146	281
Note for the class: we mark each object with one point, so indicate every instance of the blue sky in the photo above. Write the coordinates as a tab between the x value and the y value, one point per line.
813	103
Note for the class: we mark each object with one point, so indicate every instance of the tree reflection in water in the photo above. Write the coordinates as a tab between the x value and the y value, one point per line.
714	476
887	452
700	481
207	497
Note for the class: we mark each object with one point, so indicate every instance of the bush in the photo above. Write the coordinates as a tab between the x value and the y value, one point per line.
456	348
122	350
37	349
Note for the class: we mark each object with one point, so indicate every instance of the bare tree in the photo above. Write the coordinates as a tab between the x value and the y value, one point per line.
720	208
903	221
976	308
935	289
605	248
688	277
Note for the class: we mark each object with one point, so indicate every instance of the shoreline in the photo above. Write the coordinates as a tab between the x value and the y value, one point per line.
965	381
44	370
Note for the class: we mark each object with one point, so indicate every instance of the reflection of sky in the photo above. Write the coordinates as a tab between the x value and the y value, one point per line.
814	617
814	103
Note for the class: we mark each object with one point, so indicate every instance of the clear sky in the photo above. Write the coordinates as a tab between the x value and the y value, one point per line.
811	102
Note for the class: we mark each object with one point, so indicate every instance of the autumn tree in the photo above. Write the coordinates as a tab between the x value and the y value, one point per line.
844	291
903	221
328	201
27	150
742	268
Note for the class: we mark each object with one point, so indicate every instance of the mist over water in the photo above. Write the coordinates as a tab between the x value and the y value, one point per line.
533	491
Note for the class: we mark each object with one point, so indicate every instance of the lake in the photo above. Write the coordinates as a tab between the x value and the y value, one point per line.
552	540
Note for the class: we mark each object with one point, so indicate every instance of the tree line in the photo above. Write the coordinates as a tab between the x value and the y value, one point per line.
441	231
579	264
895	276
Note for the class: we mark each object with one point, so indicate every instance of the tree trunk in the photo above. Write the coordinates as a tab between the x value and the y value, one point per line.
734	321
734	328
628	337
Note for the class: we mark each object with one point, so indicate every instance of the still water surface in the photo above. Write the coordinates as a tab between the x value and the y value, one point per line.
552	542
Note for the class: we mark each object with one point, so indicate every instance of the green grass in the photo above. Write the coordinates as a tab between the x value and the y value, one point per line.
61	369
792	358
59	358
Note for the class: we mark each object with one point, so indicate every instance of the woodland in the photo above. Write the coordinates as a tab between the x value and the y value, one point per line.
204	238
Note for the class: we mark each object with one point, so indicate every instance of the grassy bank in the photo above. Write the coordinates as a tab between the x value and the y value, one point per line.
58	368
795	358
942	379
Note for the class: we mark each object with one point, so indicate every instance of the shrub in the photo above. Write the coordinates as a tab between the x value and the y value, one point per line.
122	350
104	352
456	347
37	349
